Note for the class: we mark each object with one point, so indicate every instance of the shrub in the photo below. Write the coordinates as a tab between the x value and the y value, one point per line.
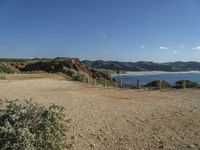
6	68
30	126
70	72
2	78
189	84
75	75
80	76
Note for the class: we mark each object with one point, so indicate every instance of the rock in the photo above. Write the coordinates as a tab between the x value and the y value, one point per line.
58	65
73	137
98	137
69	146
155	84
92	145
192	145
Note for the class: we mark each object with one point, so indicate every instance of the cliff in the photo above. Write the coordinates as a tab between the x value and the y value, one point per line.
60	65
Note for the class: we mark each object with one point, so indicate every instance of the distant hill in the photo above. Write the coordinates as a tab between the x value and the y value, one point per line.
143	65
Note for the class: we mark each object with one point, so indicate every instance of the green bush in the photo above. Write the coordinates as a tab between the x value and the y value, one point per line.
80	76
70	72
6	68
30	126
189	84
75	75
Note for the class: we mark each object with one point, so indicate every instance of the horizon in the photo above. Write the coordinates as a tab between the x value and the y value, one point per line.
130	31
95	59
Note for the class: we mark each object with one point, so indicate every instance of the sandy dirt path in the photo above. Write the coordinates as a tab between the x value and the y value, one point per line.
110	118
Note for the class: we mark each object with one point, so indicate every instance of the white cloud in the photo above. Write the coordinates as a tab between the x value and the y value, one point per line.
101	33
164	48
142	46
175	51
196	48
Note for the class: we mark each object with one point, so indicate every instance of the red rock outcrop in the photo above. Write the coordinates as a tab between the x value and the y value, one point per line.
60	65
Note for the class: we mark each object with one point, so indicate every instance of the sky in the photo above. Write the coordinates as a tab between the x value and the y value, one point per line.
123	30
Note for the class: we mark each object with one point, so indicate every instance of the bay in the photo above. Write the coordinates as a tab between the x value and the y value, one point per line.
147	76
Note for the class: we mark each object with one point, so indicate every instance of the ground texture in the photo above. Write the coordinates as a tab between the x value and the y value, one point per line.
112	118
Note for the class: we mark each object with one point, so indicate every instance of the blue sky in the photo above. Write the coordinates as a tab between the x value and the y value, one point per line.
125	30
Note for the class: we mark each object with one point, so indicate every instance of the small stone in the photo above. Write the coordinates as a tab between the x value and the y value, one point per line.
195	144
73	137
192	145
161	146
98	137
69	146
92	145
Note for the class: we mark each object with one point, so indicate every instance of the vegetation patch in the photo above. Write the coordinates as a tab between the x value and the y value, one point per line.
30	126
76	75
189	84
6	68
2	77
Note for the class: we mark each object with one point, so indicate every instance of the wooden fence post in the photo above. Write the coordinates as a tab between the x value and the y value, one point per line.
94	81
138	85
120	83
88	80
105	82
116	84
160	84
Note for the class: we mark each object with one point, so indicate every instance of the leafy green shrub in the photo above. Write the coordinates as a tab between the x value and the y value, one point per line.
70	72
75	75
80	76
29	126
6	68
189	84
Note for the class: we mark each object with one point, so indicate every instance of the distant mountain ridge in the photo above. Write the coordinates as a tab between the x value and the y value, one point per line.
144	65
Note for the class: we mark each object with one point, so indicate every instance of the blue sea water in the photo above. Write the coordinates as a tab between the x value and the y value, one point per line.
145	77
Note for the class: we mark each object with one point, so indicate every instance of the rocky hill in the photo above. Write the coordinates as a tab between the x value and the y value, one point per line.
61	65
143	65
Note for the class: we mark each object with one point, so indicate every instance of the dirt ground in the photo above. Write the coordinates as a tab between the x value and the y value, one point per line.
112	118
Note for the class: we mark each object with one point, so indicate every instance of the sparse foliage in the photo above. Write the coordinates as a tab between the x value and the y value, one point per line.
76	75
2	78
189	84
30	126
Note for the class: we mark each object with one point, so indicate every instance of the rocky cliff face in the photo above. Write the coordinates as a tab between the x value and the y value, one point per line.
60	66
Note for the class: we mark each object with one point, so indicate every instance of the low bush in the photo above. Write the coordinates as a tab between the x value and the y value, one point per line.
76	75
30	126
2	78
189	84
6	68
70	72
80	76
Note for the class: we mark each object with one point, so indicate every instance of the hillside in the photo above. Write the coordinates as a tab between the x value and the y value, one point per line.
69	66
143	65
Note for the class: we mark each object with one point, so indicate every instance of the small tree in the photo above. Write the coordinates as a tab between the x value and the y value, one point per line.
30	126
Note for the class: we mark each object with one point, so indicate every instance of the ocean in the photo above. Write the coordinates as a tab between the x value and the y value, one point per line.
147	76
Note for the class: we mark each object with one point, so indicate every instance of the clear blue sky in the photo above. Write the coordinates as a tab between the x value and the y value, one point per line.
125	30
